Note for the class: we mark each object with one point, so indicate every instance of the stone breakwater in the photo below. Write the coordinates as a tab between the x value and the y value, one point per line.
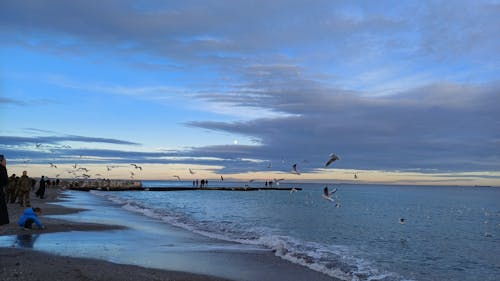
102	184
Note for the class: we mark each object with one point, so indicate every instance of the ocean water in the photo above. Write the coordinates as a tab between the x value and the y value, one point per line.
450	233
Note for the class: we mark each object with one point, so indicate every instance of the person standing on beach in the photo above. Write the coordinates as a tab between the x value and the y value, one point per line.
4	181
24	186
41	189
10	196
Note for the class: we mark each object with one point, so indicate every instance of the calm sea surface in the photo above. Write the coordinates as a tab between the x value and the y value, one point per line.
450	233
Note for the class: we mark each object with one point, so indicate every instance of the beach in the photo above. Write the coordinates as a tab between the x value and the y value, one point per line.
126	250
27	264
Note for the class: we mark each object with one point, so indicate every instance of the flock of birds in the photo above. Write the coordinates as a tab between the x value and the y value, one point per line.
328	195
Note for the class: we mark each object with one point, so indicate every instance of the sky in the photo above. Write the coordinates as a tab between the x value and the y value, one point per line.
405	92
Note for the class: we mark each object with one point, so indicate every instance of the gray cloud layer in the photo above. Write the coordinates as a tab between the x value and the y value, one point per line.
264	49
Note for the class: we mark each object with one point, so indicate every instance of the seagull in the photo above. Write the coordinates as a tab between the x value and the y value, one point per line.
294	169
38	145
252	180
191	172
402	221
178	178
137	167
86	176
277	181
132	174
327	193
293	190
52	165
221	178
269	165
57	175
355	176
83	169
333	158
108	168
74	166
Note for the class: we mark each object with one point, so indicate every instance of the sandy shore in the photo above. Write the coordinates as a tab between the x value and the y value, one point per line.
52	225
21	264
125	246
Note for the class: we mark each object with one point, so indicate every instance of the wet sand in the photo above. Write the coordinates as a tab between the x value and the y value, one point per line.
133	248
24	264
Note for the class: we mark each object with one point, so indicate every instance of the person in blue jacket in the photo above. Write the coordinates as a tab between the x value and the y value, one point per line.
29	217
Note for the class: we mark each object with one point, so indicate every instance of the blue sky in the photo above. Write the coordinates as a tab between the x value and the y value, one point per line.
403	92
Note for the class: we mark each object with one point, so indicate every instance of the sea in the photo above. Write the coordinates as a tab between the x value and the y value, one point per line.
447	232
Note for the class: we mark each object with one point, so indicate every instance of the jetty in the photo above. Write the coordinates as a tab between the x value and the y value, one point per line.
130	185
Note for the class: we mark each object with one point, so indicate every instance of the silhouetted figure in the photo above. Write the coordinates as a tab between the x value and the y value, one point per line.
4	181
41	189
10	196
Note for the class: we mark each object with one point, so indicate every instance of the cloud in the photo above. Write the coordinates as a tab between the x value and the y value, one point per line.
358	37
321	70
443	126
16	140
11	101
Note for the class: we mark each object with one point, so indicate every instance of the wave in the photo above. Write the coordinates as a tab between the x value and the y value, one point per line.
333	260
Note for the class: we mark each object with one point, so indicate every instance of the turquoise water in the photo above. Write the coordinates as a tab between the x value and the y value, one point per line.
450	233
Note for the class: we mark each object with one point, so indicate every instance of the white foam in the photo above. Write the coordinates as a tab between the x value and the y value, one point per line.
335	261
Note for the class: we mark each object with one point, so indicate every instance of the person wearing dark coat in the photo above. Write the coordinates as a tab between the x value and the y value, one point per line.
4	181
41	189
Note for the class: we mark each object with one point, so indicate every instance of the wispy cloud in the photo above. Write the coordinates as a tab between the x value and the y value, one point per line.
16	140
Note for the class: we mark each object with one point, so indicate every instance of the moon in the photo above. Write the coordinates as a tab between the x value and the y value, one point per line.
235	141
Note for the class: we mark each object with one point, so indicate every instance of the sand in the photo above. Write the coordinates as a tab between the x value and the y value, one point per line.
21	264
172	259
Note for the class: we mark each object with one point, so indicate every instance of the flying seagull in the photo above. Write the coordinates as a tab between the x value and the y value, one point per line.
178	178
294	169
52	165
137	167
221	178
333	158
191	171
83	169
277	181
269	165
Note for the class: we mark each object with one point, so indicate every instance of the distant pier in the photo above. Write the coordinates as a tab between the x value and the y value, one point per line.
134	185
89	188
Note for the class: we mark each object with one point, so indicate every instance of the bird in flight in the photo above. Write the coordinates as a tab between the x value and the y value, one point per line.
277	181
178	178
333	158
83	169
221	178
191	171
269	165
74	166
38	145
294	169
137	167
52	165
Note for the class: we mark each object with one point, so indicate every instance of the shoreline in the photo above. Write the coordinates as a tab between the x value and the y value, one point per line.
178	255
19	263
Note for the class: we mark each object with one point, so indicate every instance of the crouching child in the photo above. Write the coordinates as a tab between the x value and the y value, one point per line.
29	217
